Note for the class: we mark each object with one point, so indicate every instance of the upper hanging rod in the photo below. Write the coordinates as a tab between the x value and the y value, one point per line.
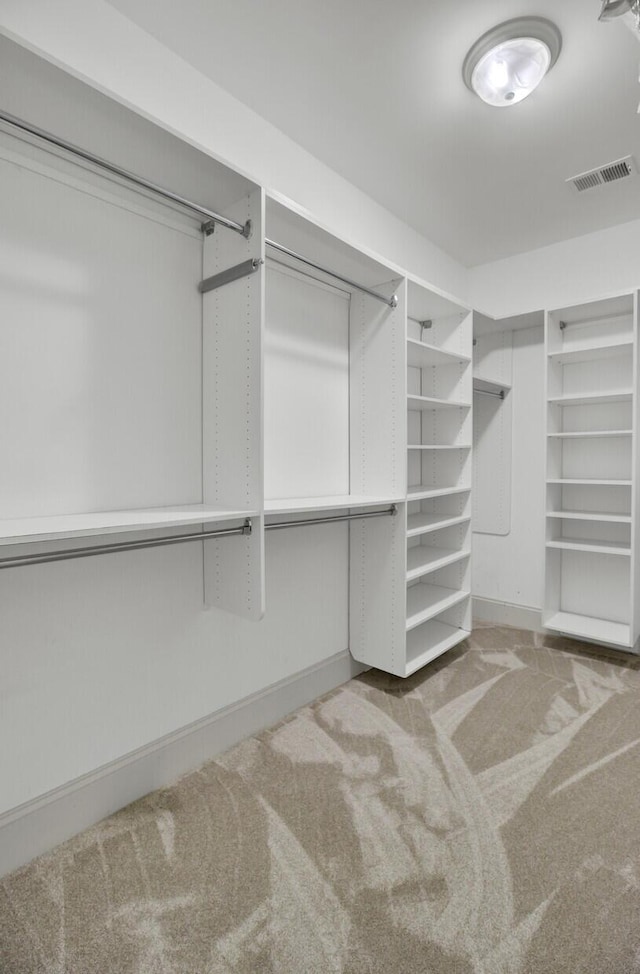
392	301
210	215
330	519
66	554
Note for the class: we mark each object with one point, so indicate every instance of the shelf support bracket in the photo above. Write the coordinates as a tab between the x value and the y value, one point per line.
245	269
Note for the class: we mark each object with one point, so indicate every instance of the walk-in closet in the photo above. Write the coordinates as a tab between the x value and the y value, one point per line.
319	487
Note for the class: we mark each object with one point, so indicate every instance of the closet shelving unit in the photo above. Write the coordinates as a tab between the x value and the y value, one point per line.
592	471
116	469
439	440
335	410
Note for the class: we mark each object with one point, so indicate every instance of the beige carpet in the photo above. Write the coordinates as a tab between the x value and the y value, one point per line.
483	816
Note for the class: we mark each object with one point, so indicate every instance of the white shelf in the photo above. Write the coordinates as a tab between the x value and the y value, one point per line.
429	402
62	526
599	630
425	645
600	547
421	493
588	434
300	505
424	602
481	384
594	398
594	483
590	516
587	352
422	560
418	524
448	446
421	355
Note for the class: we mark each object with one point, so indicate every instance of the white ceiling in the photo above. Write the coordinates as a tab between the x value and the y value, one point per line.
373	88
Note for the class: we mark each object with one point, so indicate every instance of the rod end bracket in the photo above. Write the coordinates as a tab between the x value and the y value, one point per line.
393	301
208	227
247	230
247	527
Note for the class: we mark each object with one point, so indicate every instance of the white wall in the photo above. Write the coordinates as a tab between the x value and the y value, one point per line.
509	568
91	40
570	272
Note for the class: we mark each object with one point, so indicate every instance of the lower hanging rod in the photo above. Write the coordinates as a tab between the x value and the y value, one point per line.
330	519
110	167
66	554
392	301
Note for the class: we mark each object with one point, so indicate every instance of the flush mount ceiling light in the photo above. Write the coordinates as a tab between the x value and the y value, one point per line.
508	62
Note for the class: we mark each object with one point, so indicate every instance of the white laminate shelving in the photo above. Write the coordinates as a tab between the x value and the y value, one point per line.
592	530
148	404
439	448
335	415
589	434
431	402
421	523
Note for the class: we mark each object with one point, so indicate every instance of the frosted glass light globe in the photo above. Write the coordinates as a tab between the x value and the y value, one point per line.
511	71
508	62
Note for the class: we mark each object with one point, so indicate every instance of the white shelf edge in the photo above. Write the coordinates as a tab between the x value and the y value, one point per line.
418	494
447	558
426	446
590	516
611	396
599	630
576	544
447	601
445	642
438	353
592	351
447	522
593	483
430	402
100	523
588	434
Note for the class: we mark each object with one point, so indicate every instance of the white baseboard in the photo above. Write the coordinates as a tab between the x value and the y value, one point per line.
506	614
39	825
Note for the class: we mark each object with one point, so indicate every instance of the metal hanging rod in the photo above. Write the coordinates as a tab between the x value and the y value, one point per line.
392	301
110	167
594	321
485	392
330	519
66	554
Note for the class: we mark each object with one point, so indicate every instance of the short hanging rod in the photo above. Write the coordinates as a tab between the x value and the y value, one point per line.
110	167
485	392
392	301
66	554
330	519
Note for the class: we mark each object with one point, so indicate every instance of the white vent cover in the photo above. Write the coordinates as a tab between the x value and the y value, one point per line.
613	171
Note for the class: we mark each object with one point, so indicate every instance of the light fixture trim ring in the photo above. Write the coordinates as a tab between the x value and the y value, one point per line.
538	28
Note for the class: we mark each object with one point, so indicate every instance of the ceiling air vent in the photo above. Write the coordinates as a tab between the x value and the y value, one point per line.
613	171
